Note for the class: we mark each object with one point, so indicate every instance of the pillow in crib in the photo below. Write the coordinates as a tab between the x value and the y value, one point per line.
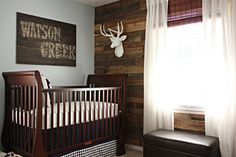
46	85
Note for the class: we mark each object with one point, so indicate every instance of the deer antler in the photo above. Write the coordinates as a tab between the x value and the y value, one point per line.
104	33
118	32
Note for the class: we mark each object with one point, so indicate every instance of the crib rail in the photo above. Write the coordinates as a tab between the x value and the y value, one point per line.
71	117
79	116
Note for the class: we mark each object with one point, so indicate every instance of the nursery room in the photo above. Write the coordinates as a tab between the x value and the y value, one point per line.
129	78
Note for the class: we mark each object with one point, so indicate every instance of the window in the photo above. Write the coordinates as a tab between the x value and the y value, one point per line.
184	58
184	62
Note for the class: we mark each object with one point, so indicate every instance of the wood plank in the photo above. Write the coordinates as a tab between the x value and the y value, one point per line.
134	111
191	122
134	100
132	27
143	5
134	82
129	69
99	49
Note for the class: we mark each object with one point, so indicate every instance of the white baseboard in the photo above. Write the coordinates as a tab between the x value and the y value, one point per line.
134	147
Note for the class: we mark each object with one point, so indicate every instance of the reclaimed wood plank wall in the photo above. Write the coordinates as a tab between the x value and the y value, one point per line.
133	15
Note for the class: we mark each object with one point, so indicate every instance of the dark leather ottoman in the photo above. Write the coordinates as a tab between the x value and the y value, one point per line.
166	143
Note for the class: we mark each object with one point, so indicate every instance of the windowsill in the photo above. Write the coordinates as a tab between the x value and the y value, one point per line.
188	110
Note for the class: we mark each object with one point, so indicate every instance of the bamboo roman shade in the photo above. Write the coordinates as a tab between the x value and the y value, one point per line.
184	12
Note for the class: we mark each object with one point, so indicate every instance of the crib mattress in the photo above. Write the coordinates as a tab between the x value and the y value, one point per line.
79	112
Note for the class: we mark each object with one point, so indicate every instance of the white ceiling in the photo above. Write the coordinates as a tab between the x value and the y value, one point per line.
96	3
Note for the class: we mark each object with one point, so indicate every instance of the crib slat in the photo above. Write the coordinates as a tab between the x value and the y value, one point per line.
80	119
85	115
13	122
107	110
18	118
114	112
34	93
94	114
102	120
52	120
90	116
119	101
99	127
115	102
30	116
34	111
75	114
13	114
64	118
26	117
16	111
44	116
69	117
114	119
58	119
21	117
29	126
110	113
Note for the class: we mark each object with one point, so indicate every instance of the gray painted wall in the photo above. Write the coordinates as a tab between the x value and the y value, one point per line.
61	10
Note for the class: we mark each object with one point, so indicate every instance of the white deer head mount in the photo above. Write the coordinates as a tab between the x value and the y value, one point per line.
116	40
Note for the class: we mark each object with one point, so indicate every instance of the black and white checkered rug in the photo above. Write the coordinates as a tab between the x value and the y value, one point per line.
107	149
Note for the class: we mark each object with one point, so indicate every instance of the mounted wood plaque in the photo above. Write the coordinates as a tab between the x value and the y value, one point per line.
44	41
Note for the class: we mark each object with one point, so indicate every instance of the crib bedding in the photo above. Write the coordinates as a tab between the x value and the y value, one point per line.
90	111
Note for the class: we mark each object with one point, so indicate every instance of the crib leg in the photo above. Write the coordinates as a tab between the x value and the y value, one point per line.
38	148
121	147
121	140
5	137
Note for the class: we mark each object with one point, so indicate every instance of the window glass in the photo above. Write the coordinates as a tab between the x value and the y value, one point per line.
185	65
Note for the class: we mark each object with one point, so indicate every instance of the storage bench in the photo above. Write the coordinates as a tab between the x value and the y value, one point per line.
166	143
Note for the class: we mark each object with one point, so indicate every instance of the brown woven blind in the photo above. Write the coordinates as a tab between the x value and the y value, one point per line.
182	12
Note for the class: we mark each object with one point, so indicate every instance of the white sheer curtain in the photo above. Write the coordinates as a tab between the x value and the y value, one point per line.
157	113
220	34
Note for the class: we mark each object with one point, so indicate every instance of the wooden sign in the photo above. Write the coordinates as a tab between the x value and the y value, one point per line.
46	42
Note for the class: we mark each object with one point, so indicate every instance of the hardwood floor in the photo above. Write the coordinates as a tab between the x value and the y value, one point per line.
132	153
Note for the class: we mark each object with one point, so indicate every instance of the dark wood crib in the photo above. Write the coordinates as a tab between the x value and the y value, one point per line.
44	122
